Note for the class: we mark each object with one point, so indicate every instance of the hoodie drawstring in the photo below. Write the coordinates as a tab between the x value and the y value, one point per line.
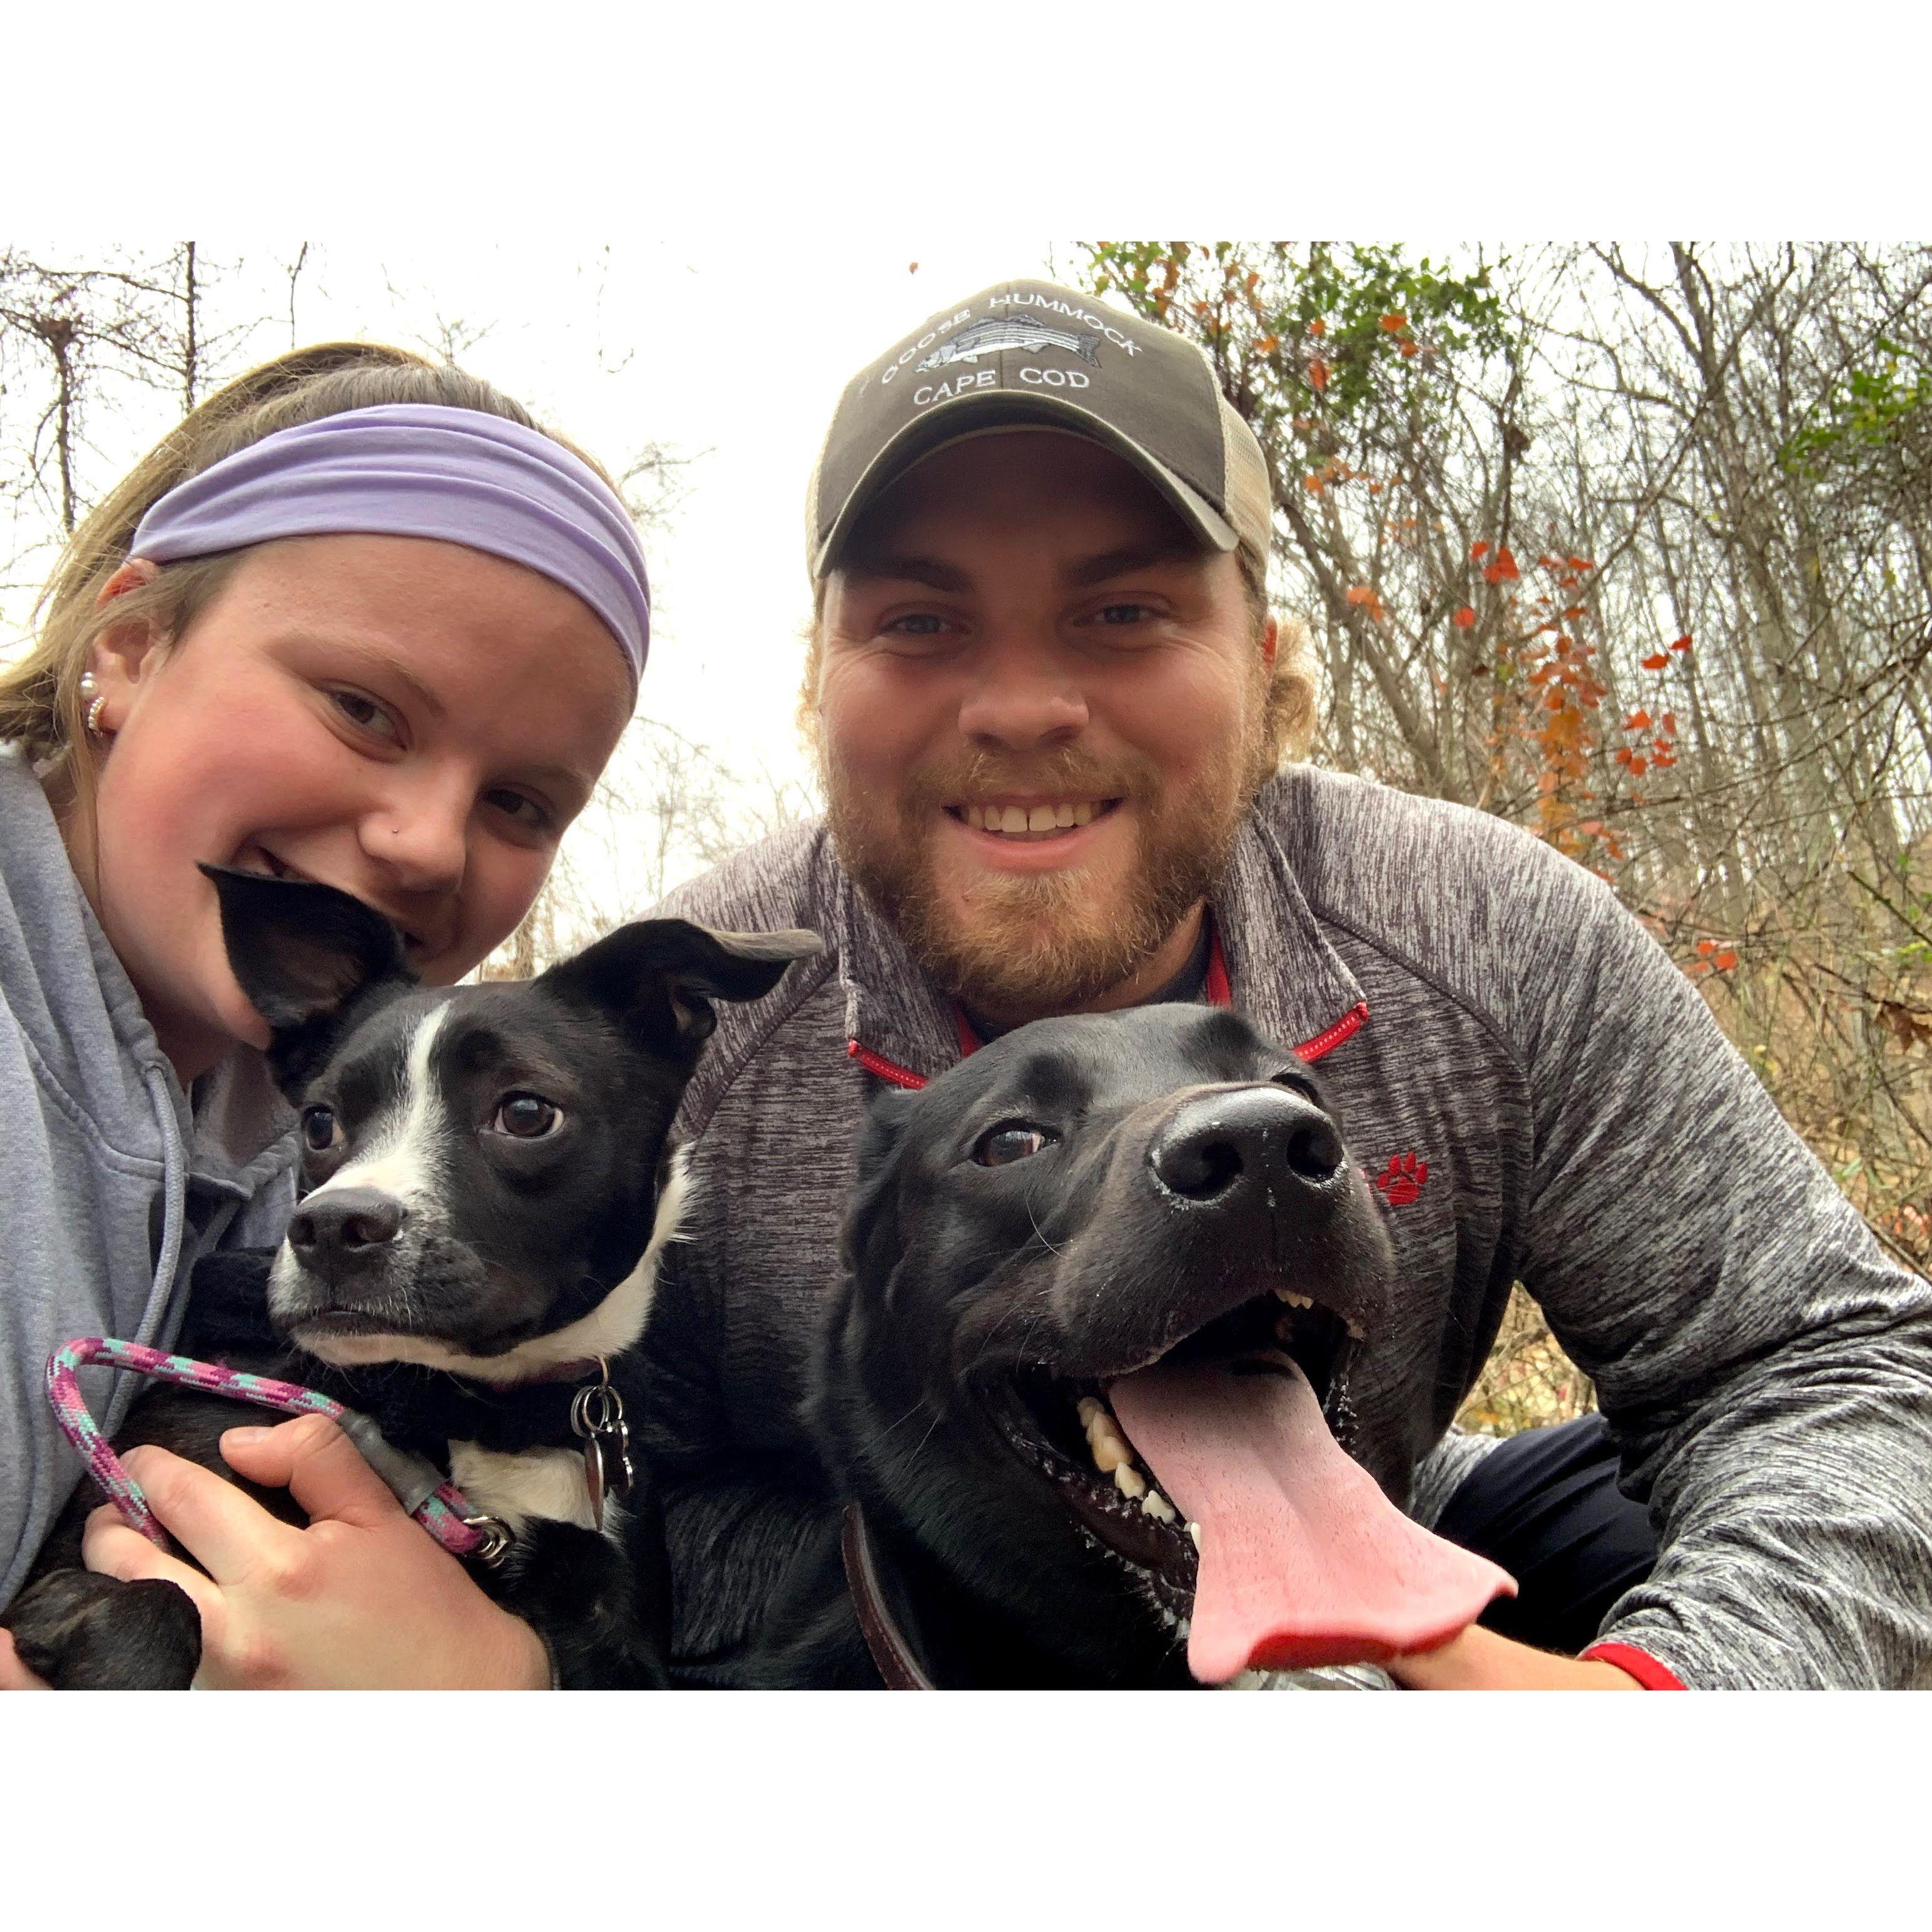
174	1187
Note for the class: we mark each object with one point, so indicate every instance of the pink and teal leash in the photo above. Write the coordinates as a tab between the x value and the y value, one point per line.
419	1487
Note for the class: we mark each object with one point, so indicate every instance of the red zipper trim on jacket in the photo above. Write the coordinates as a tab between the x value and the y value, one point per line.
1329	1038
886	1069
1219	993
1638	1663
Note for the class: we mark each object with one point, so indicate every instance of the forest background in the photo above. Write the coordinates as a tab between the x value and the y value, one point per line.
1631	544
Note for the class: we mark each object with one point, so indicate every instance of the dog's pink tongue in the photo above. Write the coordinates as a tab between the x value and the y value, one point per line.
1303	1560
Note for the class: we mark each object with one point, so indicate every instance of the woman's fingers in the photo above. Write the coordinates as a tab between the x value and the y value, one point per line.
14	1675
110	1548
227	1532
319	1466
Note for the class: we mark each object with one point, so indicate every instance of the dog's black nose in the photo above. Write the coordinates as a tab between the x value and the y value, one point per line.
344	1222
1265	1134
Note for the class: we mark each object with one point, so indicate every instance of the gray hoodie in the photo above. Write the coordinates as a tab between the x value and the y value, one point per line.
111	1183
1540	1096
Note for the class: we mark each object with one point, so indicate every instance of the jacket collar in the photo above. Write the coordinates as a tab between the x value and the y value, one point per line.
1282	974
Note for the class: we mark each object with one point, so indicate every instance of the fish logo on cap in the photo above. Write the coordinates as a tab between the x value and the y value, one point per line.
1010	331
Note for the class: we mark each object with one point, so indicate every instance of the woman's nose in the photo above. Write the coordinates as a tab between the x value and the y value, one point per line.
421	839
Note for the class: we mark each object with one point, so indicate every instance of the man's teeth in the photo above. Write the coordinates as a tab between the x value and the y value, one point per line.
1020	821
1113	1456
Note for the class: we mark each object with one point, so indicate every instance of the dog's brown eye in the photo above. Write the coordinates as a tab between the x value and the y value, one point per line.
525	1117
321	1130
1010	1141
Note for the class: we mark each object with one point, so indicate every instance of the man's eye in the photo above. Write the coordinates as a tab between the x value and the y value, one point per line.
1124	613
1010	1141
525	1117
365	714
916	624
320	1129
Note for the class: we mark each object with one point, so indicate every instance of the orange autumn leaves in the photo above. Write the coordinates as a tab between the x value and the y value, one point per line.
1660	752
1658	660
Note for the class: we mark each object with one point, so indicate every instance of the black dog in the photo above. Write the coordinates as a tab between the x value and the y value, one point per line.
490	1185
1106	1280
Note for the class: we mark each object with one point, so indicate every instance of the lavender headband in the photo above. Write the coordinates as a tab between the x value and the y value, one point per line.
421	469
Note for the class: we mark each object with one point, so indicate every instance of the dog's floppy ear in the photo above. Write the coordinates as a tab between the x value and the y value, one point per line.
301	952
301	949
659	976
871	1211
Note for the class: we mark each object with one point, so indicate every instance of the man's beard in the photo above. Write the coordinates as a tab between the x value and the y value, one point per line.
1028	944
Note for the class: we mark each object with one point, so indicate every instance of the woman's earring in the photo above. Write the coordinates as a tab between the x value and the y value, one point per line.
96	705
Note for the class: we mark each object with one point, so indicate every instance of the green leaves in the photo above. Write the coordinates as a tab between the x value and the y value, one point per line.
1868	410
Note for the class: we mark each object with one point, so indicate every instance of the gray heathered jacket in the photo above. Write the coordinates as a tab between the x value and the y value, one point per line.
1478	1002
110	1185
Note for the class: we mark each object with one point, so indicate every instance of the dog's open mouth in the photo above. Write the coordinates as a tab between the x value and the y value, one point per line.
1066	1429
1219	1477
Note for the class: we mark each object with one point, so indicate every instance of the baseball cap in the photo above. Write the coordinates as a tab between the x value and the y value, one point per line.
1032	353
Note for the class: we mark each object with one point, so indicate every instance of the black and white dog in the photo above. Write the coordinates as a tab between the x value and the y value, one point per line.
490	1184
1085	1393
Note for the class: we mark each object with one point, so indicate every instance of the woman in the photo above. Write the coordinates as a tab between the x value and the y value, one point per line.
355	620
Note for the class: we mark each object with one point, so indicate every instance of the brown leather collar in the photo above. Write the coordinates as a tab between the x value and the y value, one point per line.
891	1653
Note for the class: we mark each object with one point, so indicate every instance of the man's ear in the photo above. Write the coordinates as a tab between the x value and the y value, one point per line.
302	950
657	977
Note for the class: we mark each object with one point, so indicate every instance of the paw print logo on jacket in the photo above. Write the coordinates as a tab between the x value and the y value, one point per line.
1402	1180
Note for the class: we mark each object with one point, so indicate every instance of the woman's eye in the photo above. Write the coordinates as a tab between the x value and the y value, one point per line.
524	809
1010	1141
525	1117
320	1129
365	714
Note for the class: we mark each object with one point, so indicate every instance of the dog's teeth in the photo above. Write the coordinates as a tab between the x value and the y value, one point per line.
1090	1409
1181	1629
1155	1505
1110	1455
1355	1331
1129	1481
1194	1530
1294	1300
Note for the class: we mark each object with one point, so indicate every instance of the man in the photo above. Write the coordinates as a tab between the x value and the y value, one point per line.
1050	705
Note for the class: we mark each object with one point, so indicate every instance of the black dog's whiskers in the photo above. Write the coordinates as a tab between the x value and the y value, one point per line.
1039	1231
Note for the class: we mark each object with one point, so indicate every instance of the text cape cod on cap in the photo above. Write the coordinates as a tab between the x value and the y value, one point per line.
1032	353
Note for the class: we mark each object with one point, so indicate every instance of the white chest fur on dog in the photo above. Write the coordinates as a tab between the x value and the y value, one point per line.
515	1486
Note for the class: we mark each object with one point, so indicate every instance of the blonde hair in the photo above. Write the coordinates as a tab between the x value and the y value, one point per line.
40	706
1287	718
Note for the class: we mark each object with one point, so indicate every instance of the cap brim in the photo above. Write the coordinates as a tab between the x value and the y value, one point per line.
971	415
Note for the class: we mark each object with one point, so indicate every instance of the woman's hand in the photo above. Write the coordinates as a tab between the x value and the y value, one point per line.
360	1599
14	1675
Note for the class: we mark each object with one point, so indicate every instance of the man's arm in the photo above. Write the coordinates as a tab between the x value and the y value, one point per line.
1767	1371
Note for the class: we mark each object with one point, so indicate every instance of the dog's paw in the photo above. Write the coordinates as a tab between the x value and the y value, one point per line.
82	1632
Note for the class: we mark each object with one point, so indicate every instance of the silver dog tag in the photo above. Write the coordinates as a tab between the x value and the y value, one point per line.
597	1415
